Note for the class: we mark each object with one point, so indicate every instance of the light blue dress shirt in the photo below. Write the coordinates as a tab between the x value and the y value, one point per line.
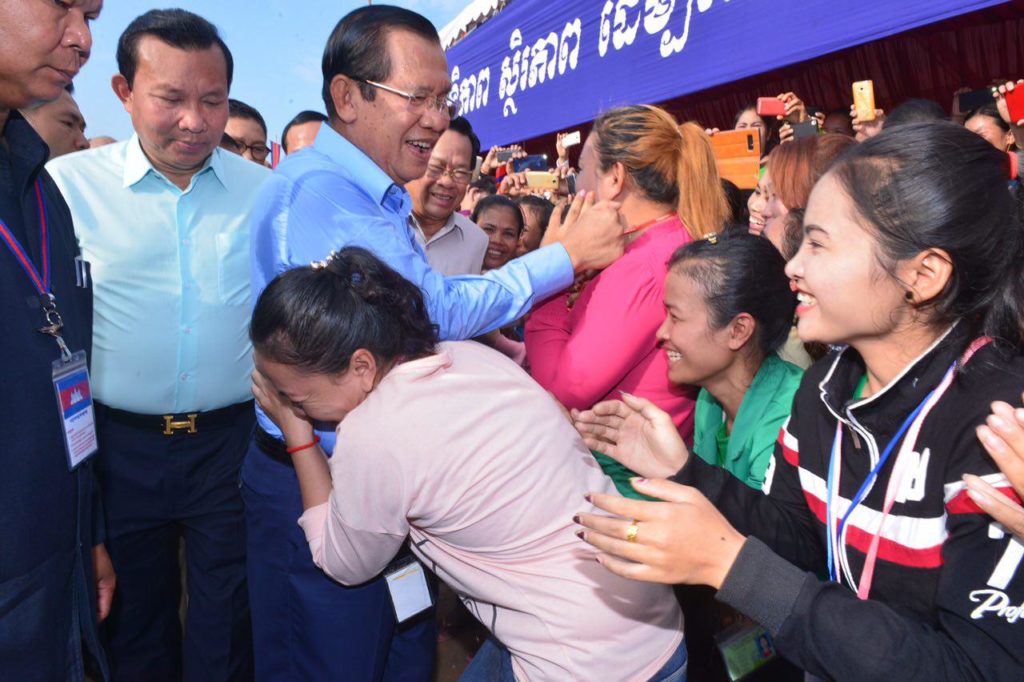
332	195
170	271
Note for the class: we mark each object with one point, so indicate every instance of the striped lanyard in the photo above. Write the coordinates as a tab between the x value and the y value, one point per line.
835	526
40	281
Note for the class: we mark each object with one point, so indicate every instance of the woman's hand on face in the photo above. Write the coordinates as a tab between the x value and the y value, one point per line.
294	425
635	433
1003	437
681	540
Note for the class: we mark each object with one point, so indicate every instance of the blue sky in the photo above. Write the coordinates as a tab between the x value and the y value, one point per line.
276	44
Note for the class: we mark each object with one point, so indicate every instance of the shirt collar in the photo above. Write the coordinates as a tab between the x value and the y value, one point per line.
26	149
365	174
449	225
137	165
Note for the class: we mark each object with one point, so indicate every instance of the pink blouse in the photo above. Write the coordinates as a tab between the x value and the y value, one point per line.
606	344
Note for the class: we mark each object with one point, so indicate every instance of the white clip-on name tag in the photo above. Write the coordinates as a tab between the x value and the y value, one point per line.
74	401
407	583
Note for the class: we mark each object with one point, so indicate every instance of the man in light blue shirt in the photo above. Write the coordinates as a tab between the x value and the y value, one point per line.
163	220
385	88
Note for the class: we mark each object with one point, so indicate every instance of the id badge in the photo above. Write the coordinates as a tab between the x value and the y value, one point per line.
745	647
74	401
407	584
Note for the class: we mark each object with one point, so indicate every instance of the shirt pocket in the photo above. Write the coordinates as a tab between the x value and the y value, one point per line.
233	267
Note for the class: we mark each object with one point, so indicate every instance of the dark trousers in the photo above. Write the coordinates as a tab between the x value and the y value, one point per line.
305	625
158	489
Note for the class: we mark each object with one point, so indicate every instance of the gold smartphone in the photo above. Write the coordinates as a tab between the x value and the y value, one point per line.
541	180
864	100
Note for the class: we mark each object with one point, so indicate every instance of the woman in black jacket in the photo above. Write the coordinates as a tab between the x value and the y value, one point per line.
913	262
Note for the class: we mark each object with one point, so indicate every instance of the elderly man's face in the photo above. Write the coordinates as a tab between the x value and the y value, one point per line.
437	195
60	124
398	137
43	44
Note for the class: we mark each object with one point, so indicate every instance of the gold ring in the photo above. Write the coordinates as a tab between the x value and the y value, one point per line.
631	532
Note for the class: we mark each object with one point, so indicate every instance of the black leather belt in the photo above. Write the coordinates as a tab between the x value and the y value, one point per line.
272	447
171	424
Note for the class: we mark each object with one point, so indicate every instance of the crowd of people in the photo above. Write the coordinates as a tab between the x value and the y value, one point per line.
293	391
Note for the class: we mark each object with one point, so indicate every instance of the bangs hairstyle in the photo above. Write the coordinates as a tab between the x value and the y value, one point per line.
493	201
938	185
740	273
668	163
315	318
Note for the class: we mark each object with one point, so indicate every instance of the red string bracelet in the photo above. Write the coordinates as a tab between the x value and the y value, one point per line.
300	448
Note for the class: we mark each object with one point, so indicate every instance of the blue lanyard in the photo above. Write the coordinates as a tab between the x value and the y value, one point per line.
833	572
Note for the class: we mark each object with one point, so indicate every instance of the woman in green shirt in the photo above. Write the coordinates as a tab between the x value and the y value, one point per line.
729	308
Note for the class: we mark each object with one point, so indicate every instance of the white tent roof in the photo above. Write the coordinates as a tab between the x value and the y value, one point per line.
474	14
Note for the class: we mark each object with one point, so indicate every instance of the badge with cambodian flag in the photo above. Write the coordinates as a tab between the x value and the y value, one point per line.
74	401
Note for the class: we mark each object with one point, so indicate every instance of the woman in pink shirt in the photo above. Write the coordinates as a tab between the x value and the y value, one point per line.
423	455
597	339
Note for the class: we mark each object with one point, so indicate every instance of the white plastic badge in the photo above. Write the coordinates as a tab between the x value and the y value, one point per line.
74	401
408	586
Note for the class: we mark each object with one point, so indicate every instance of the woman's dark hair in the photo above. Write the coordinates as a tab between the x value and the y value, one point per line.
938	185
176	27
314	318
358	47
740	273
486	184
737	203
990	111
498	201
539	205
915	110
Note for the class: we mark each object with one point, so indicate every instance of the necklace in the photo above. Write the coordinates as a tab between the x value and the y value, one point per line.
649	223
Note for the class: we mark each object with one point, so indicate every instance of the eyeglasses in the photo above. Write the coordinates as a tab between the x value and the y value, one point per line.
420	103
258	150
459	176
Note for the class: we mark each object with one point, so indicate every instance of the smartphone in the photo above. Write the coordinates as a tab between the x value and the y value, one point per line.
1015	103
504	155
541	180
770	106
738	156
571	139
976	99
864	100
570	184
534	162
808	128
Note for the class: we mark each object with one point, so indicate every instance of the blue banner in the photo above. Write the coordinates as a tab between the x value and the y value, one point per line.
540	66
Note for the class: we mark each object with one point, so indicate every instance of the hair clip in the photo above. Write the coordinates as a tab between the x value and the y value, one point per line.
321	264
712	238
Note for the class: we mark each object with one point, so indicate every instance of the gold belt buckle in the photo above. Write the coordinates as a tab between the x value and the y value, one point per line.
170	425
